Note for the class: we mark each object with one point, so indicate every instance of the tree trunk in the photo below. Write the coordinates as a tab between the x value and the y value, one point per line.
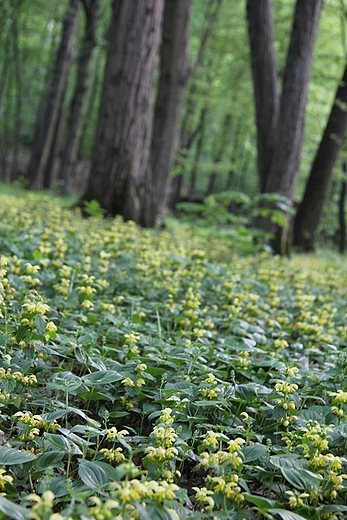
198	152
18	100
92	9
281	176
118	179
223	143
172	81
310	208
342	217
48	121
265	85
286	159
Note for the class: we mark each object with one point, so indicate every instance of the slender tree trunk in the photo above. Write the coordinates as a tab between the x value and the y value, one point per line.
92	10
118	178
223	143
48	122
265	84
310	209
50	176
342	215
18	101
198	152
92	99
172	81
281	175
233	156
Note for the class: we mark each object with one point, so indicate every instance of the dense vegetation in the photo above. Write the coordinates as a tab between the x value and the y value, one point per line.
159	374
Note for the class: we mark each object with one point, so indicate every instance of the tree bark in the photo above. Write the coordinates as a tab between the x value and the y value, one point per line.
223	143
342	216
172	81
265	84
92	9
118	179
48	121
198	152
280	175
310	209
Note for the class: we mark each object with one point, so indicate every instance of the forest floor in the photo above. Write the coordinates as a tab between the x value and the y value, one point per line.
160	374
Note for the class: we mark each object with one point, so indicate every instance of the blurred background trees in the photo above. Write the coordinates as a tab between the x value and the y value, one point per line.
67	124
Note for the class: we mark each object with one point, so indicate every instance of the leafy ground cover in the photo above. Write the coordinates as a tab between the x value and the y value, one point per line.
142	378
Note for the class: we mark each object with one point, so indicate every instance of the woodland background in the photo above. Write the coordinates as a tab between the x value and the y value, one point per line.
54	73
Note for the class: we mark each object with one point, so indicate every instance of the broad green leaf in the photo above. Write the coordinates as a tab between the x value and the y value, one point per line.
59	441
102	377
96	474
255	452
12	510
301	479
58	485
263	503
49	459
40	324
74	438
286	515
288	461
11	457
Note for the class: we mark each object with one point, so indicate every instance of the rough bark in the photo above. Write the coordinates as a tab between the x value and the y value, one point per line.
285	162
48	121
92	9
172	81
310	209
265	84
118	179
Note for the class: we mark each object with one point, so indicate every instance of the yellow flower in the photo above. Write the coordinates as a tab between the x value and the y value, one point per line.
4	479
128	382
51	327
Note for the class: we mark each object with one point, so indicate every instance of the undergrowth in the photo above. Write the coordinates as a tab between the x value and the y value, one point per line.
155	374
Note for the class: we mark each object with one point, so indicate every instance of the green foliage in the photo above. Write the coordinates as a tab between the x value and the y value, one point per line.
233	214
159	374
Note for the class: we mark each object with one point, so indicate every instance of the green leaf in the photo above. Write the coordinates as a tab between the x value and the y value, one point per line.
288	461
302	479
58	441
10	456
255	452
286	515
49	459
262	503
102	377
96	474
58	485
40	324
12	510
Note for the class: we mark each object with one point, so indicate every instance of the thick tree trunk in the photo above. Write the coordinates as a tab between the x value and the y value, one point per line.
48	122
266	92
118	178
172	81
310	208
92	9
286	159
